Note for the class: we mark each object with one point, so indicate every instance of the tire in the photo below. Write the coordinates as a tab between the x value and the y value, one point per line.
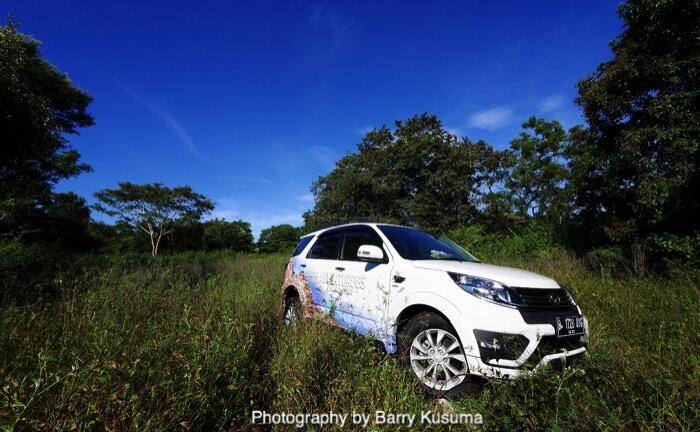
292	310
430	348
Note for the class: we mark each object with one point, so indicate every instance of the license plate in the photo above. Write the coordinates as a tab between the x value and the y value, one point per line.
569	326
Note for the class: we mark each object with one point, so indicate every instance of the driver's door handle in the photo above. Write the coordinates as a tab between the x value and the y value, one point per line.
399	279
340	268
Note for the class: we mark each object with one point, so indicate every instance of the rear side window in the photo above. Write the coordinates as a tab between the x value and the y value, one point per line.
356	238
327	246
302	244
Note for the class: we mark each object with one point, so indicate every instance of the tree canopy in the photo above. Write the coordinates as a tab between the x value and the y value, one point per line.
634	169
153	208
535	170
39	107
417	174
278	238
221	234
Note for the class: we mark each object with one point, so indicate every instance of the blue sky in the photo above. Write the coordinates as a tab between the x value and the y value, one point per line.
249	102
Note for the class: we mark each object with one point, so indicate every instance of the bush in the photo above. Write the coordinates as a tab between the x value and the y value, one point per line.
220	234
278	238
675	252
533	240
27	271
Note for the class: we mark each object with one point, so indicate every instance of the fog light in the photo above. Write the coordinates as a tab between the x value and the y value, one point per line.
500	346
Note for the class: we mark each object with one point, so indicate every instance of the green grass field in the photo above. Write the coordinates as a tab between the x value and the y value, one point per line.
194	342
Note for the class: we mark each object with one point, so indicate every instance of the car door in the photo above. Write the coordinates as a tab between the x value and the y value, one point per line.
320	270
365	285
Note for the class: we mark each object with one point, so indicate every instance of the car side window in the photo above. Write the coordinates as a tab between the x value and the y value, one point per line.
327	246
355	238
302	244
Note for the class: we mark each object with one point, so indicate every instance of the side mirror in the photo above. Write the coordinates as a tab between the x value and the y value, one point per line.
370	253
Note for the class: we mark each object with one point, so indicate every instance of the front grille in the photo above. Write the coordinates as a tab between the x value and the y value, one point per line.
534	299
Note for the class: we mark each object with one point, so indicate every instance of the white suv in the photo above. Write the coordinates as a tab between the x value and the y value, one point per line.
446	313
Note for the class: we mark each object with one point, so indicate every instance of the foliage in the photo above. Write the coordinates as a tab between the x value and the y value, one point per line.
39	107
534	240
153	208
672	246
193	341
535	173
220	234
28	271
634	169
278	238
404	176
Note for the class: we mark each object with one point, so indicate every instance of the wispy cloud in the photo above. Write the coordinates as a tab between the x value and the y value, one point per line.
250	180
309	198
339	26
362	131
170	122
552	103
323	155
491	119
225	208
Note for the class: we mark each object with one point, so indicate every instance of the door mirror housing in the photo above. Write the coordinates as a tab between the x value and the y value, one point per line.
370	253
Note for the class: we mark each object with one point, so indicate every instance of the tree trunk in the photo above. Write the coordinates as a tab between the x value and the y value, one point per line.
154	246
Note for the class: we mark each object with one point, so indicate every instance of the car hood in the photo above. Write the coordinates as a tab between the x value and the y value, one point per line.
506	275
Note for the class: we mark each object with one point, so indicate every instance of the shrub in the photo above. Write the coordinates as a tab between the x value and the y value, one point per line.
27	271
533	240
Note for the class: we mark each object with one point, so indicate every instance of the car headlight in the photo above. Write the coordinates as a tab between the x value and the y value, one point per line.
484	288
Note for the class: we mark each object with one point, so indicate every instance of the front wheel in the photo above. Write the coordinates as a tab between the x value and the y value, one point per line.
429	345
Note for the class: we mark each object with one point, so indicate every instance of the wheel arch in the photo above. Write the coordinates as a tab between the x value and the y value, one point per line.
290	291
455	316
414	310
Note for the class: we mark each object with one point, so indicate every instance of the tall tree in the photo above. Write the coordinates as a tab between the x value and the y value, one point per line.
39	106
153	208
635	168
536	171
417	174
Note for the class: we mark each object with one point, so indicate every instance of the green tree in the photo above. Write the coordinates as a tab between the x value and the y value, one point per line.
220	234
278	238
153	208
39	107
536	173
635	168
417	174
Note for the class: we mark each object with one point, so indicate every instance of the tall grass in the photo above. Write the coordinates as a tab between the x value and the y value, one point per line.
194	342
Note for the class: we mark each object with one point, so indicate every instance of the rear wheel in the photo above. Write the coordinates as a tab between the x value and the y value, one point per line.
430	347
292	309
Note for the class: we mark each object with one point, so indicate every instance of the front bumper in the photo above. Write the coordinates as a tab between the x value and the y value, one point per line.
515	342
499	368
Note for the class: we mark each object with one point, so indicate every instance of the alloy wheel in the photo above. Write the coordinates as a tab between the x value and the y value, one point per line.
437	359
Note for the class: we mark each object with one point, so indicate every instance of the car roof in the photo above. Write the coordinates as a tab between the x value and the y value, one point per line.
372	224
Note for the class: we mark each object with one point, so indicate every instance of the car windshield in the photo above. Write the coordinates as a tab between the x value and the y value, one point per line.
414	244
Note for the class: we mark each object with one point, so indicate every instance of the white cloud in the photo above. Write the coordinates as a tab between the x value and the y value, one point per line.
307	197
174	126
551	103
230	209
491	119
